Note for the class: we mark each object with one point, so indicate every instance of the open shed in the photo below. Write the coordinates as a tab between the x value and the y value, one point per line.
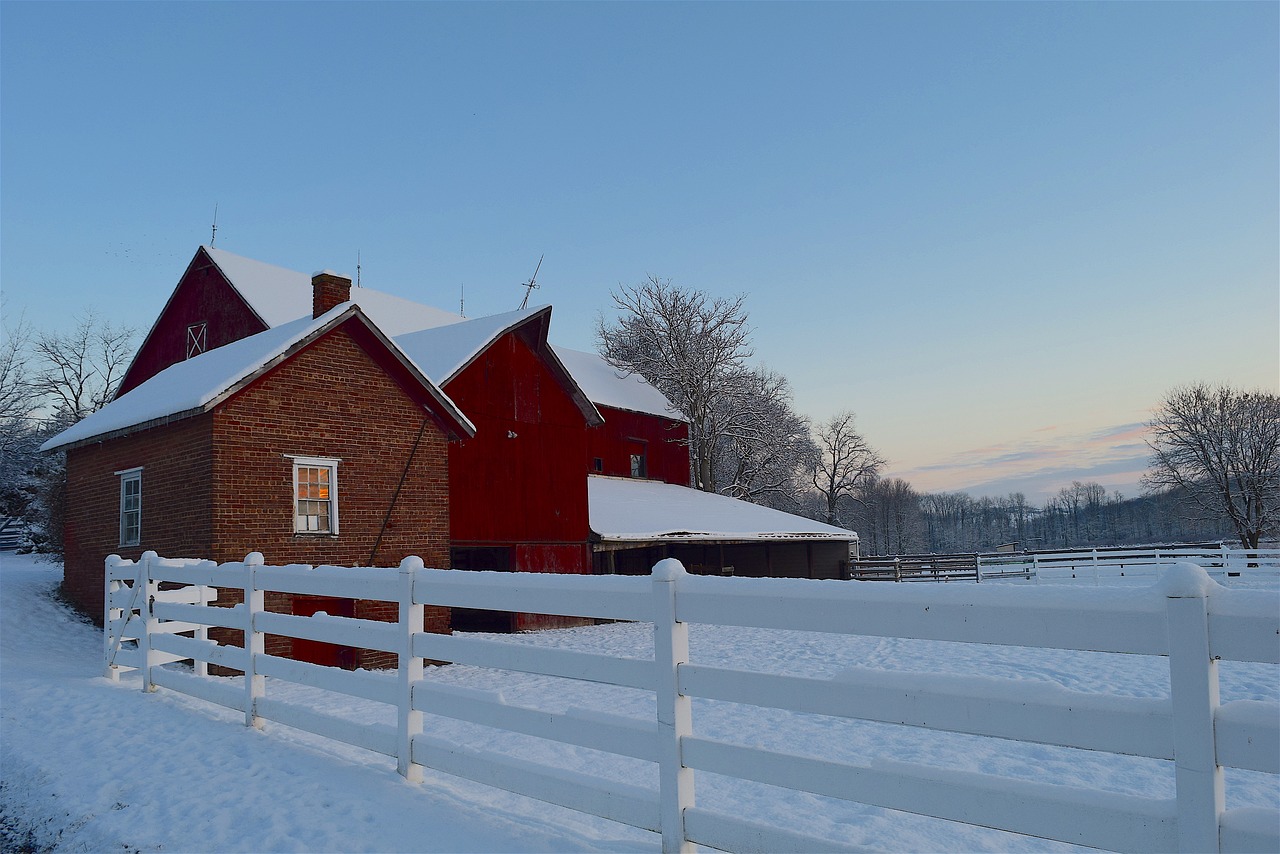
636	523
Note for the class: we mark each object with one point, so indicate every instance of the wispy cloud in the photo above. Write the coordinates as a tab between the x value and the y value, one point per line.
1040	463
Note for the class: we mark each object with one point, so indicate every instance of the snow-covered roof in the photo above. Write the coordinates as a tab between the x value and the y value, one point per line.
440	342
443	351
278	296
196	385
629	510
607	387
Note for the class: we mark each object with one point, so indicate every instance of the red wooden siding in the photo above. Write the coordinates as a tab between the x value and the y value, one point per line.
519	481
623	433
202	296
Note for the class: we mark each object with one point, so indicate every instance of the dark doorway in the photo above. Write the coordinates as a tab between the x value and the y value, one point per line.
487	559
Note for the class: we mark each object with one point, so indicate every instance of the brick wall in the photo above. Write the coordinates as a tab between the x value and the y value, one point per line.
219	486
176	464
332	400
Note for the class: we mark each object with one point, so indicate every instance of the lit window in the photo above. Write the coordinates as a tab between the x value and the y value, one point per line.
315	490
130	507
197	339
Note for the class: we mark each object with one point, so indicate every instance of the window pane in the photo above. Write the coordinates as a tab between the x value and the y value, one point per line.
131	509
314	499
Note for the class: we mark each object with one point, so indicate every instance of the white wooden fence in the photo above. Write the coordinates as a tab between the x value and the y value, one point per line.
1185	617
1107	564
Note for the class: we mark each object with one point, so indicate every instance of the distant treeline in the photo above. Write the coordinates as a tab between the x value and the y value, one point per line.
892	518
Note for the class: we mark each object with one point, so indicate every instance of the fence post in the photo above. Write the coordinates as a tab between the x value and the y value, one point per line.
409	671
897	569
108	654
255	642
147	590
202	633
1193	687
1035	566
1094	553
675	713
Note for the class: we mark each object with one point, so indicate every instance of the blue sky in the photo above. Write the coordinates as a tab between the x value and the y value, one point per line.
997	232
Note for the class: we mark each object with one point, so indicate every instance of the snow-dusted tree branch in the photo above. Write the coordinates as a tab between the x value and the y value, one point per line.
69	376
18	429
764	447
690	347
1219	449
845	460
77	372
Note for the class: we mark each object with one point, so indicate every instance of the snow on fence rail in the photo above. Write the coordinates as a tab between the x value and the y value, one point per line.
1185	617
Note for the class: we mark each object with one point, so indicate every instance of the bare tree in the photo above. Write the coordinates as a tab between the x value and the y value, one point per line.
1219	449
73	375
79	371
845	461
18	427
690	346
764	447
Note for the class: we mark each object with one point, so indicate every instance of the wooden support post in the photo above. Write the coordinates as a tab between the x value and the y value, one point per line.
255	602
675	712
409	671
1193	683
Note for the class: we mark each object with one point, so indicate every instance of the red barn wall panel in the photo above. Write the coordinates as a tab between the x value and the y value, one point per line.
202	296
665	442
519	480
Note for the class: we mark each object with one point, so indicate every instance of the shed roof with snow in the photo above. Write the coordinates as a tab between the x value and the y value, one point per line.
625	510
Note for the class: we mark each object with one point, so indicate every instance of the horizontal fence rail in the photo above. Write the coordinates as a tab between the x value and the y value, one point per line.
158	612
1073	564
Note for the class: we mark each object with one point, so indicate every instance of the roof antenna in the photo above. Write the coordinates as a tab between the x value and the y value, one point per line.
214	237
357	268
531	285
462	299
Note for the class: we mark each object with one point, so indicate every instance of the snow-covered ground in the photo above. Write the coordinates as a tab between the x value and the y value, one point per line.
88	765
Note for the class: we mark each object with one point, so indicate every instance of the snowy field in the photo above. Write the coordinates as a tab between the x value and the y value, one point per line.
88	765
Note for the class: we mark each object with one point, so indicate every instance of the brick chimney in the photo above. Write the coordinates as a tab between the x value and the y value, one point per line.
327	290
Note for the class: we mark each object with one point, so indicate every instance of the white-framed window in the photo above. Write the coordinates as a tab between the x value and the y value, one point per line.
639	451
197	338
315	495
130	506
